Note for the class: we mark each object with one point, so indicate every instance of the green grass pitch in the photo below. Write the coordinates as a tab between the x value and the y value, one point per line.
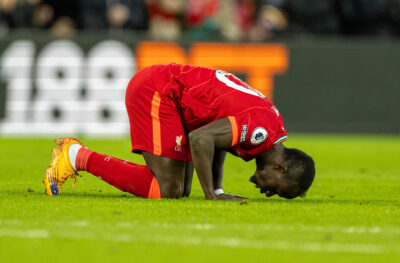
350	214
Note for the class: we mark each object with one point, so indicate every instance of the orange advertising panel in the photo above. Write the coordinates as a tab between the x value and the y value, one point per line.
151	53
260	62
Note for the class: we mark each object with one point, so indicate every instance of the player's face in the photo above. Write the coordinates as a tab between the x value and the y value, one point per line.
271	182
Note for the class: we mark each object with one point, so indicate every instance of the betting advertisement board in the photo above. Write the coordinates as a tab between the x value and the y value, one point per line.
66	87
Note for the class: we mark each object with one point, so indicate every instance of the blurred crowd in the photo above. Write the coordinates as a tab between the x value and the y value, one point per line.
235	20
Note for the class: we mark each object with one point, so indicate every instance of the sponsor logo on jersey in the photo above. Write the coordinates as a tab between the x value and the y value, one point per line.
244	133
178	140
258	135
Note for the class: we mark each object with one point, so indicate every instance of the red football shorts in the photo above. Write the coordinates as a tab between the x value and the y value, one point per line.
155	122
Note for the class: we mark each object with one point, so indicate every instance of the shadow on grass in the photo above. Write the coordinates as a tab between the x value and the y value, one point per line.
98	194
94	194
128	196
329	201
86	194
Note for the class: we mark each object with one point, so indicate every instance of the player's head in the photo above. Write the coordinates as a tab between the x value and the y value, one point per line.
284	171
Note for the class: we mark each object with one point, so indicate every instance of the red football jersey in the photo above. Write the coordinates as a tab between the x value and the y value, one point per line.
204	95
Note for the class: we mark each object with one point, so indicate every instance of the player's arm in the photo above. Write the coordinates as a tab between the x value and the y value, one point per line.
218	168
204	142
188	178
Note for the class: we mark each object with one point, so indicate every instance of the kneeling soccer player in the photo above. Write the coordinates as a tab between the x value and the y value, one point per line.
183	116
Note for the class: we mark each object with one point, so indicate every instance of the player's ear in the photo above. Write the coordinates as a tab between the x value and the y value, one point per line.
282	168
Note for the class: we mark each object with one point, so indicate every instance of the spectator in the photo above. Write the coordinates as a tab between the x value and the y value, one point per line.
16	14
128	14
7	8
201	17
63	27
271	19
165	18
117	14
234	20
43	15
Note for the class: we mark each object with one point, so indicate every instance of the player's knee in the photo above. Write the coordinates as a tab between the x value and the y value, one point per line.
171	190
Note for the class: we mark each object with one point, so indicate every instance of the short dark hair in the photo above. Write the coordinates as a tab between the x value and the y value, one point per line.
300	169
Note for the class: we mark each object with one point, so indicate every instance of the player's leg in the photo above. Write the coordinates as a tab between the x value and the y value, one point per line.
127	176
70	156
157	133
174	177
170	174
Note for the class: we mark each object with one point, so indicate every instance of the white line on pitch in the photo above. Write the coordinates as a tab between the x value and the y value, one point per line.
240	226
204	241
29	233
275	227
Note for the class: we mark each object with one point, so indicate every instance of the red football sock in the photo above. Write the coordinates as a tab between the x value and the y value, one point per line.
129	177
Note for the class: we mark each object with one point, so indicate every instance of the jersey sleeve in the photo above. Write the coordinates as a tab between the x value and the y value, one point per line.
281	139
256	131
235	131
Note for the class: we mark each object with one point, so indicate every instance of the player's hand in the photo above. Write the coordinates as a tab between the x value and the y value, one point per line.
226	197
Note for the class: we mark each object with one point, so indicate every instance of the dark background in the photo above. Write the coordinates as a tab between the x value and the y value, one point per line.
341	86
344	55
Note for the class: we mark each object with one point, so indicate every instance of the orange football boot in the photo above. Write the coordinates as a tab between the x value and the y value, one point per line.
60	168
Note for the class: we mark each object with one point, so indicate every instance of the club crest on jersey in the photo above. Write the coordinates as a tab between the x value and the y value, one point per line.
258	135
178	140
